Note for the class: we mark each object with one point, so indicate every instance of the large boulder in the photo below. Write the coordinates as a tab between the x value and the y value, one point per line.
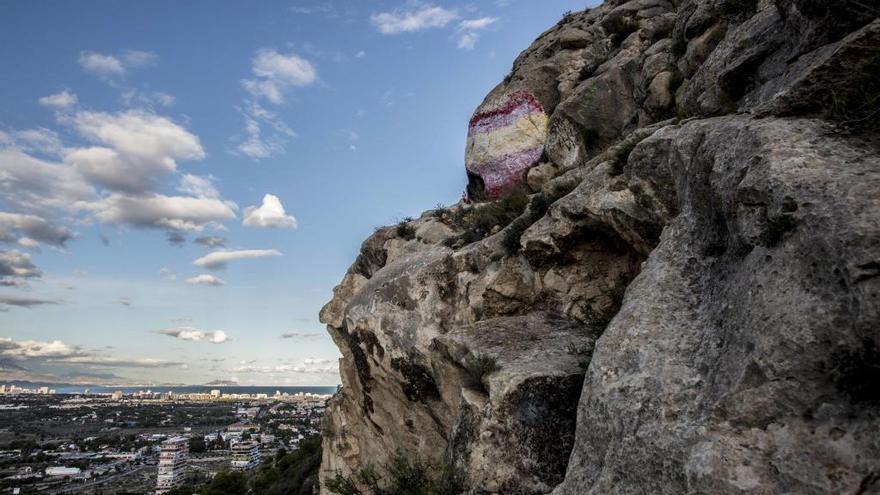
686	301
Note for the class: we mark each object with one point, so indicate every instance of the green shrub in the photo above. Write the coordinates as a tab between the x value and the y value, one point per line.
478	221
404	230
403	476
481	365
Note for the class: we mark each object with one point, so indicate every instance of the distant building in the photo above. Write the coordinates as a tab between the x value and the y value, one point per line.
245	456
172	464
62	471
216	393
242	427
117	395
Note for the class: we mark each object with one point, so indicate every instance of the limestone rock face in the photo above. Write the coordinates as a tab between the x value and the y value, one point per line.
687	301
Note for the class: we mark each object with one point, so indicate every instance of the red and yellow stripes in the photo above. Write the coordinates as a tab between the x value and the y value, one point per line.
505	140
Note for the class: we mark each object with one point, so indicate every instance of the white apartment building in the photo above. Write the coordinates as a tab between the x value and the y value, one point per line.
245	456
172	464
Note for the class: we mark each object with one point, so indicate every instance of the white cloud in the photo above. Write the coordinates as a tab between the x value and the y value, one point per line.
413	20
34	185
137	58
480	23
134	97
219	259
360	54
100	64
36	349
167	274
310	366
138	148
274	72
179	213
28	243
255	145
205	279
195	335
300	335
14	225
15	265
110	66
211	241
467	31
61	100
270	214
197	186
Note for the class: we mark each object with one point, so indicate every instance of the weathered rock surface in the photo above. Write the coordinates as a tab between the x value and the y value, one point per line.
689	301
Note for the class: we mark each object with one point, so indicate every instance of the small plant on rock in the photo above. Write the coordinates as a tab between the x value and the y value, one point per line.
404	230
481	365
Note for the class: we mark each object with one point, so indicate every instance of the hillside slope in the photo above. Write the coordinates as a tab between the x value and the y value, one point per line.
667	278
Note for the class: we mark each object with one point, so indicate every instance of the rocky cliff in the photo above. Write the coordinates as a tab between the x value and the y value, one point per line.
666	279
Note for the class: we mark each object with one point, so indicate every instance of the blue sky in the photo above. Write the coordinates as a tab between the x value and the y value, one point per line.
183	183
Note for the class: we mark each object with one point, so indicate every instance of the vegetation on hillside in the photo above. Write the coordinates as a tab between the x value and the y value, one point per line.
399	476
293	473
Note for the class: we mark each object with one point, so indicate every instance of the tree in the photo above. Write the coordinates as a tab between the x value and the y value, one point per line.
226	483
197	444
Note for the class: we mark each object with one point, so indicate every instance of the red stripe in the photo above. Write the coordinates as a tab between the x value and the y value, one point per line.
514	100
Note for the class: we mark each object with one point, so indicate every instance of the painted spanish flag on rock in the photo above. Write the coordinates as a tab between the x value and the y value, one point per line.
505	139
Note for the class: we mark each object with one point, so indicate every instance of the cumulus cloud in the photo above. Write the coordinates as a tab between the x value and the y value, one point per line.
16	266
15	225
112	66
28	243
59	352
33	185
115	180
405	21
167	274
39	140
181	213
205	279
219	259
270	214
100	64
36	349
137	149
274	72
467	31
195	335
211	241
59	101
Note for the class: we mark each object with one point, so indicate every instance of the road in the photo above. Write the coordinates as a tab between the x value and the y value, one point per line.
76	487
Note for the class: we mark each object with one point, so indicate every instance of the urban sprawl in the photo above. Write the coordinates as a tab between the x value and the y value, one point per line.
143	442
